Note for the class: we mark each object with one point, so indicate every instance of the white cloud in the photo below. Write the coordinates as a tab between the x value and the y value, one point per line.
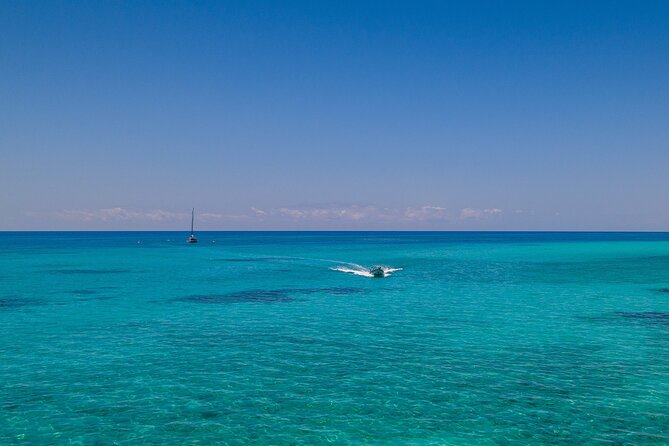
119	214
329	213
426	213
210	216
295	213
469	213
361	213
160	215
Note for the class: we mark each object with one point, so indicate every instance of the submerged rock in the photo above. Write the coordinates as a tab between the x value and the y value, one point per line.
266	296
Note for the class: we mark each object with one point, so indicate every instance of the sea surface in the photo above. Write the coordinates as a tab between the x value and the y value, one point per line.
261	338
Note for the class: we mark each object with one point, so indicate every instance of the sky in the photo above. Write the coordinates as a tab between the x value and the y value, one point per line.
334	115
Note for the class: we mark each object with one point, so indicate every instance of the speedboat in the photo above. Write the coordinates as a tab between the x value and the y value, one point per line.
377	271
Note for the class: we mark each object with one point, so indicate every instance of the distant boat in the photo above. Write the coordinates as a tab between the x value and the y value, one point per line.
192	238
377	271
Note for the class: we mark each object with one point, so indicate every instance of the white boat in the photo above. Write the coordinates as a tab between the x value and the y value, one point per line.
192	238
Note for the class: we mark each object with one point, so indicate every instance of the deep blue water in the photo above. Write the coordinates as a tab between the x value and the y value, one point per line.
253	338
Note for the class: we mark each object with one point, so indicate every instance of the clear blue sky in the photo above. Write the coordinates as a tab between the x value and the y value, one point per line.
335	115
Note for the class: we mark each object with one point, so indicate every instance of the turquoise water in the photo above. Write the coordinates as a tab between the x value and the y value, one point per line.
480	338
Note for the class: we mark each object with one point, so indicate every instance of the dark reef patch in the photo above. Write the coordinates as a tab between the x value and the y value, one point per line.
83	292
245	259
265	296
104	297
89	294
649	317
90	271
16	302
662	290
337	291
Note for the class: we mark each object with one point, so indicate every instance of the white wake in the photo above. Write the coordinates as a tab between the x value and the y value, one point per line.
360	270
344	267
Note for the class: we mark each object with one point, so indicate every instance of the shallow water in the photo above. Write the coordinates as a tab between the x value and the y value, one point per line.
480	338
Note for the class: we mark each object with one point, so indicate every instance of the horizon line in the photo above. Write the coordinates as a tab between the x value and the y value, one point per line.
630	231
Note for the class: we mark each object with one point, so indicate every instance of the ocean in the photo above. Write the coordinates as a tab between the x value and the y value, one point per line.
279	338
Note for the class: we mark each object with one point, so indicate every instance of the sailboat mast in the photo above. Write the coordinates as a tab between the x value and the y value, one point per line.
192	218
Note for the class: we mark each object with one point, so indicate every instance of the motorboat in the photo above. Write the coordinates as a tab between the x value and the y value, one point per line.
377	271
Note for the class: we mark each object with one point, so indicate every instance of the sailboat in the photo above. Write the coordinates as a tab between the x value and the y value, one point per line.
192	238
